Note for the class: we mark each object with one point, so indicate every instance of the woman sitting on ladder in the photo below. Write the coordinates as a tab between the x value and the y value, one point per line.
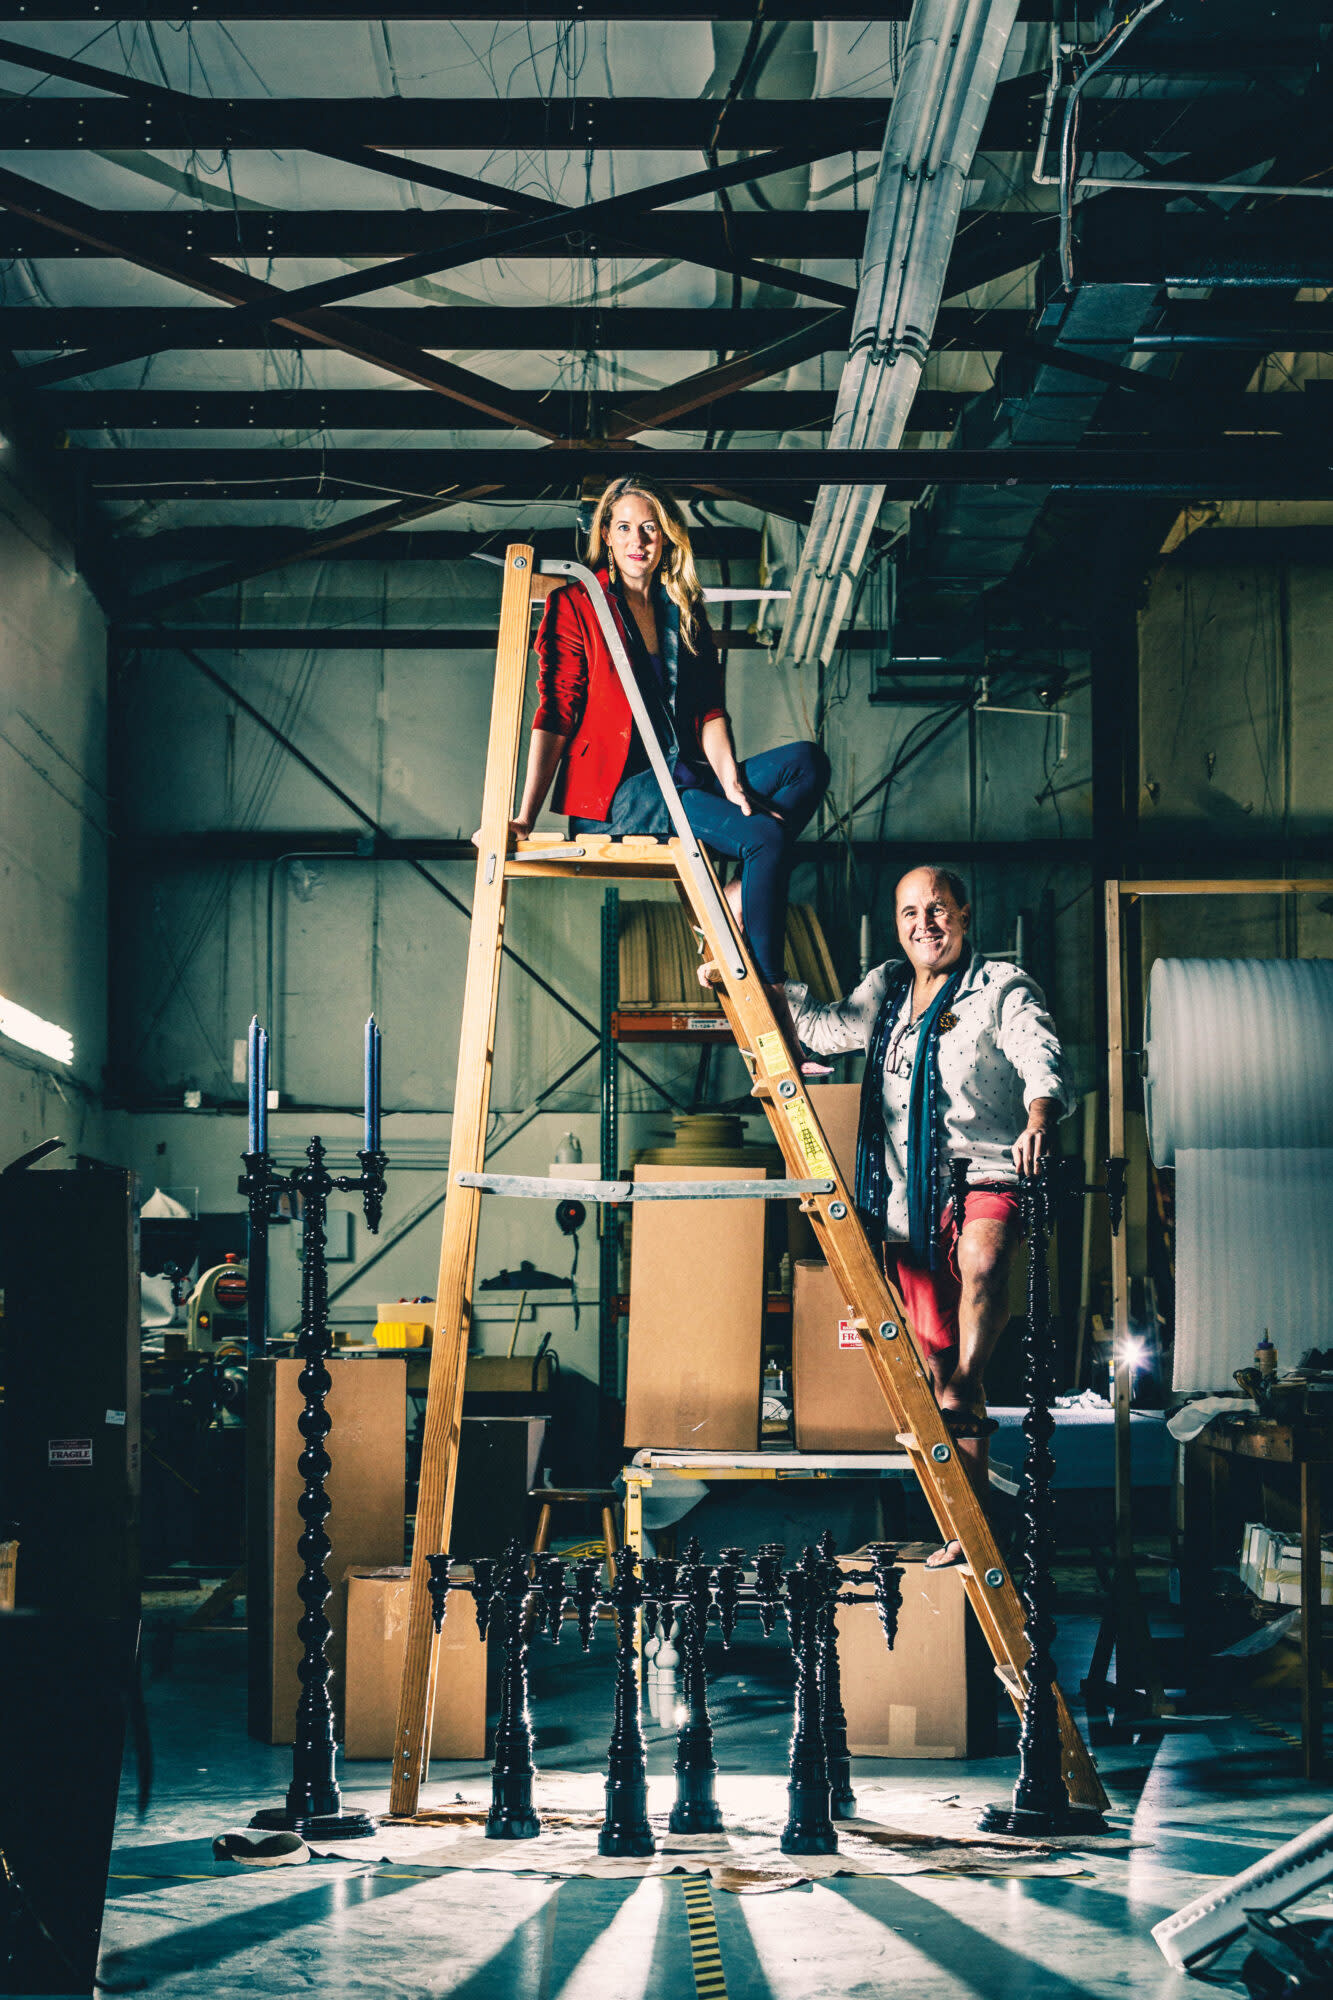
584	738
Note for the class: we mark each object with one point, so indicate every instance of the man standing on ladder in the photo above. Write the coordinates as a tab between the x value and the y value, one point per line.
963	1063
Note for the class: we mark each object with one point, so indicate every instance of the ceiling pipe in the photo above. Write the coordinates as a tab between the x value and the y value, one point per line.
951	64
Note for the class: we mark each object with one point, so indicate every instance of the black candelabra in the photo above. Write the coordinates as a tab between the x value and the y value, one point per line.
313	1806
513	1601
517	1596
1041	1803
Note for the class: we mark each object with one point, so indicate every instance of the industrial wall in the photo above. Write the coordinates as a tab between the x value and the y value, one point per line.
53	828
1236	745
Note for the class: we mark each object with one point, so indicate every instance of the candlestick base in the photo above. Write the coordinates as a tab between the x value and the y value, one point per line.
511	1816
322	1826
1037	1824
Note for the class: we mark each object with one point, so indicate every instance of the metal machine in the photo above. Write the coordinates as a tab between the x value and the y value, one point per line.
217	1305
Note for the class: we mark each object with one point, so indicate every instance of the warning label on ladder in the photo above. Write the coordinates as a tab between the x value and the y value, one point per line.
773	1048
818	1165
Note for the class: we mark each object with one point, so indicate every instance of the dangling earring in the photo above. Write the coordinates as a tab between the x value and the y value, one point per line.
610	567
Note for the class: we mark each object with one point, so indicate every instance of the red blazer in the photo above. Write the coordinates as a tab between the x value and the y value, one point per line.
580	697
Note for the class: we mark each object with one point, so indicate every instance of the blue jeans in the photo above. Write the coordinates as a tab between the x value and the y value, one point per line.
791	779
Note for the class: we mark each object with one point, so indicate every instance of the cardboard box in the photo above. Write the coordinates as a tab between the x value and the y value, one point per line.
837	1106
367	1405
1270	1565
934	1695
376	1613
836	1399
498	1459
696	1317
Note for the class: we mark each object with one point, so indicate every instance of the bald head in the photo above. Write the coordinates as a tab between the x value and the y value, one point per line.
933	916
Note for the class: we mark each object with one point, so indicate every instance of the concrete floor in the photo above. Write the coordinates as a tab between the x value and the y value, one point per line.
1204	1802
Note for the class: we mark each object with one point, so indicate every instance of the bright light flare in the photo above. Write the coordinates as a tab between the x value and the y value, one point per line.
34	1033
1133	1353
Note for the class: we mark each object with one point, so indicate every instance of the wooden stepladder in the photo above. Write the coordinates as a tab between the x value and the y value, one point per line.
881	1319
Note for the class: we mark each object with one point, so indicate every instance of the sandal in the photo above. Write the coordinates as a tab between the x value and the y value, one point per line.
943	1559
968	1424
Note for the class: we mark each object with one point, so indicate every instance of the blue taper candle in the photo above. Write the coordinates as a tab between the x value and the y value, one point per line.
251	1078
372	1132
261	1094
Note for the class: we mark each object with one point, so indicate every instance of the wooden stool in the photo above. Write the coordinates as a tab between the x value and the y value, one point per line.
588	1496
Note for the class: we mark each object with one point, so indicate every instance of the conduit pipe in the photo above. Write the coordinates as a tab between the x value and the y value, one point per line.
951	65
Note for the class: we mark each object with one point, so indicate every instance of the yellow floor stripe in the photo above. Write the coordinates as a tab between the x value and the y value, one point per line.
705	1950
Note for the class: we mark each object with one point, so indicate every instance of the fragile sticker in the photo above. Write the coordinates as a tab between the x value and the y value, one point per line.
69	1451
777	1057
848	1337
818	1166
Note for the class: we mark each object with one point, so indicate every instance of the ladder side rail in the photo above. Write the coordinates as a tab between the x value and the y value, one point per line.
897	1363
702	878
467	1146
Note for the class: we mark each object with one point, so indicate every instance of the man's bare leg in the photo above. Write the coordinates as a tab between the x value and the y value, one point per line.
984	1253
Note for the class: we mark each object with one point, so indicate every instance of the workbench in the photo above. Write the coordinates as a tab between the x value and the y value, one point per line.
691	1473
1306	1445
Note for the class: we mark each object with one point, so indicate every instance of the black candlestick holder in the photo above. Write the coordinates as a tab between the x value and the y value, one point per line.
1041	1804
625	1829
682	1592
832	1715
809	1828
313	1807
512	1602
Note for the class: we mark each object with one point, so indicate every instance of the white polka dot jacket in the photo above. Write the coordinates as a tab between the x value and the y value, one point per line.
999	1053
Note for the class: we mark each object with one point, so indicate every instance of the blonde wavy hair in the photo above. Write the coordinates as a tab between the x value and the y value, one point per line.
679	577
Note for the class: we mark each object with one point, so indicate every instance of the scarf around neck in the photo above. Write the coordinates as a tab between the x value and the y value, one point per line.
923	1165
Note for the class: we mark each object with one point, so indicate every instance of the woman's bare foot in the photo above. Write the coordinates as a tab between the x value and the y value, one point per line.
946	1558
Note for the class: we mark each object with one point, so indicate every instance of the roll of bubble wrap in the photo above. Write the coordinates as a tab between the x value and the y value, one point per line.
1240	1053
1240	1102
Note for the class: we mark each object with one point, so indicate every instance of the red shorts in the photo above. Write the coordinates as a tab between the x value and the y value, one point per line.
932	1297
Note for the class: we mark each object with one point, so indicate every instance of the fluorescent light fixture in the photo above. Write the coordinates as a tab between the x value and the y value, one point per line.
35	1033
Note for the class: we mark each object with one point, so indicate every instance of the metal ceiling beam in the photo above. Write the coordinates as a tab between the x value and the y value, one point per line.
1239	470
305	310
413	410
220	541
1227	547
1235	321
388	410
401	639
243	293
264	11
444	124
542	219
627	124
391	232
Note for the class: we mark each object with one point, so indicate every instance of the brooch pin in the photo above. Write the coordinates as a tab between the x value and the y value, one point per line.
948	1021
